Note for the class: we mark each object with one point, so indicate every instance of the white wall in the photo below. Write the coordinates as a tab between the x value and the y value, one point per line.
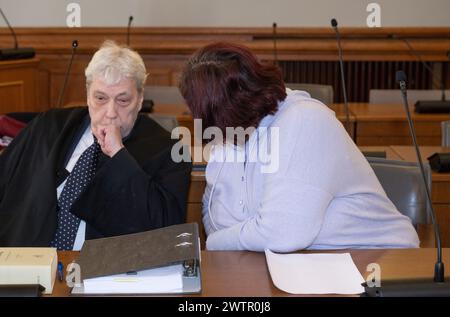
239	13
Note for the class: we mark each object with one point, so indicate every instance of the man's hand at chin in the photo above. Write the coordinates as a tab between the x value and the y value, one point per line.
110	139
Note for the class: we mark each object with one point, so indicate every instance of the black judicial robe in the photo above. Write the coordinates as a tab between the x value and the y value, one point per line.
140	188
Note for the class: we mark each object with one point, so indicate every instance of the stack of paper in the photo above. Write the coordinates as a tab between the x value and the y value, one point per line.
314	273
168	279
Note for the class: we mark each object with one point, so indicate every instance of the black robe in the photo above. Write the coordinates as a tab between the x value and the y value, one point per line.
140	188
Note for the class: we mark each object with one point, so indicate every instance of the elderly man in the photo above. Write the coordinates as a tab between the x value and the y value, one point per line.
84	173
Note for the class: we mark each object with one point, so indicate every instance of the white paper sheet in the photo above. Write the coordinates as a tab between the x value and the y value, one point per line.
314	273
168	279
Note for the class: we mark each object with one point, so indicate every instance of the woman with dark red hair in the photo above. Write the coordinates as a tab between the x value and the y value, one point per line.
289	177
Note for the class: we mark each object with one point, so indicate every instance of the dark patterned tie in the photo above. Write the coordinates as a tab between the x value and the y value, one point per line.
82	173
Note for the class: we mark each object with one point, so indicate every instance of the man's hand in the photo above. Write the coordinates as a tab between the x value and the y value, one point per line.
110	140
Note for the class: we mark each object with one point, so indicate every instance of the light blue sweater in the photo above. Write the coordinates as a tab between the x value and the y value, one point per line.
317	191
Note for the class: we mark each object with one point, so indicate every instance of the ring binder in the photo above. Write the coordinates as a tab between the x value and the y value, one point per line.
157	248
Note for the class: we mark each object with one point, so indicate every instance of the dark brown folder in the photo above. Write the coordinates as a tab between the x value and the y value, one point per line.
140	251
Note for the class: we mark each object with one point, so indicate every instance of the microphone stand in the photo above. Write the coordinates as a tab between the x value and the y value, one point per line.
16	52
130	19
275	50
66	77
437	287
334	24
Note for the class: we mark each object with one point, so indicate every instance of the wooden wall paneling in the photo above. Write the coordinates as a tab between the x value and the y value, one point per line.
18	85
55	66
161	70
368	53
11	96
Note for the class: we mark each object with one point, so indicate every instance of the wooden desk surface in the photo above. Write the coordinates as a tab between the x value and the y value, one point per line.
242	273
19	62
407	153
386	124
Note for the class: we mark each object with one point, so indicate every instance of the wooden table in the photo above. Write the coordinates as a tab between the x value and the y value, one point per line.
440	187
386	124
243	273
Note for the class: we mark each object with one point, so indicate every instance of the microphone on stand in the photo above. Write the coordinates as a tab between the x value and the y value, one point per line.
130	19
334	25
66	77
16	52
275	50
422	288
428	106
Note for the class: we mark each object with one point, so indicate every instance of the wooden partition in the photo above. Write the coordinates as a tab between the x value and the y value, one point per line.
18	85
370	52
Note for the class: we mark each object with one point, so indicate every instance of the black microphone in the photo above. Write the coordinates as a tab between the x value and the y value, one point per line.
16	52
275	50
437	287
428	106
334	25
66	77
130	19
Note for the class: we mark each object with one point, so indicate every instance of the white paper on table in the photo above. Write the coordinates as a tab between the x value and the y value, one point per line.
167	279
314	273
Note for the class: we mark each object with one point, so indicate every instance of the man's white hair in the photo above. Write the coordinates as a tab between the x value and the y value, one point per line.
113	63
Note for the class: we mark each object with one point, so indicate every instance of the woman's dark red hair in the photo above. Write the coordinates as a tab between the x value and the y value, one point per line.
225	85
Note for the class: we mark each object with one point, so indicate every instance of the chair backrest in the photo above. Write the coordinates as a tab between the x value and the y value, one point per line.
323	93
403	184
168	122
388	96
445	125
163	95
